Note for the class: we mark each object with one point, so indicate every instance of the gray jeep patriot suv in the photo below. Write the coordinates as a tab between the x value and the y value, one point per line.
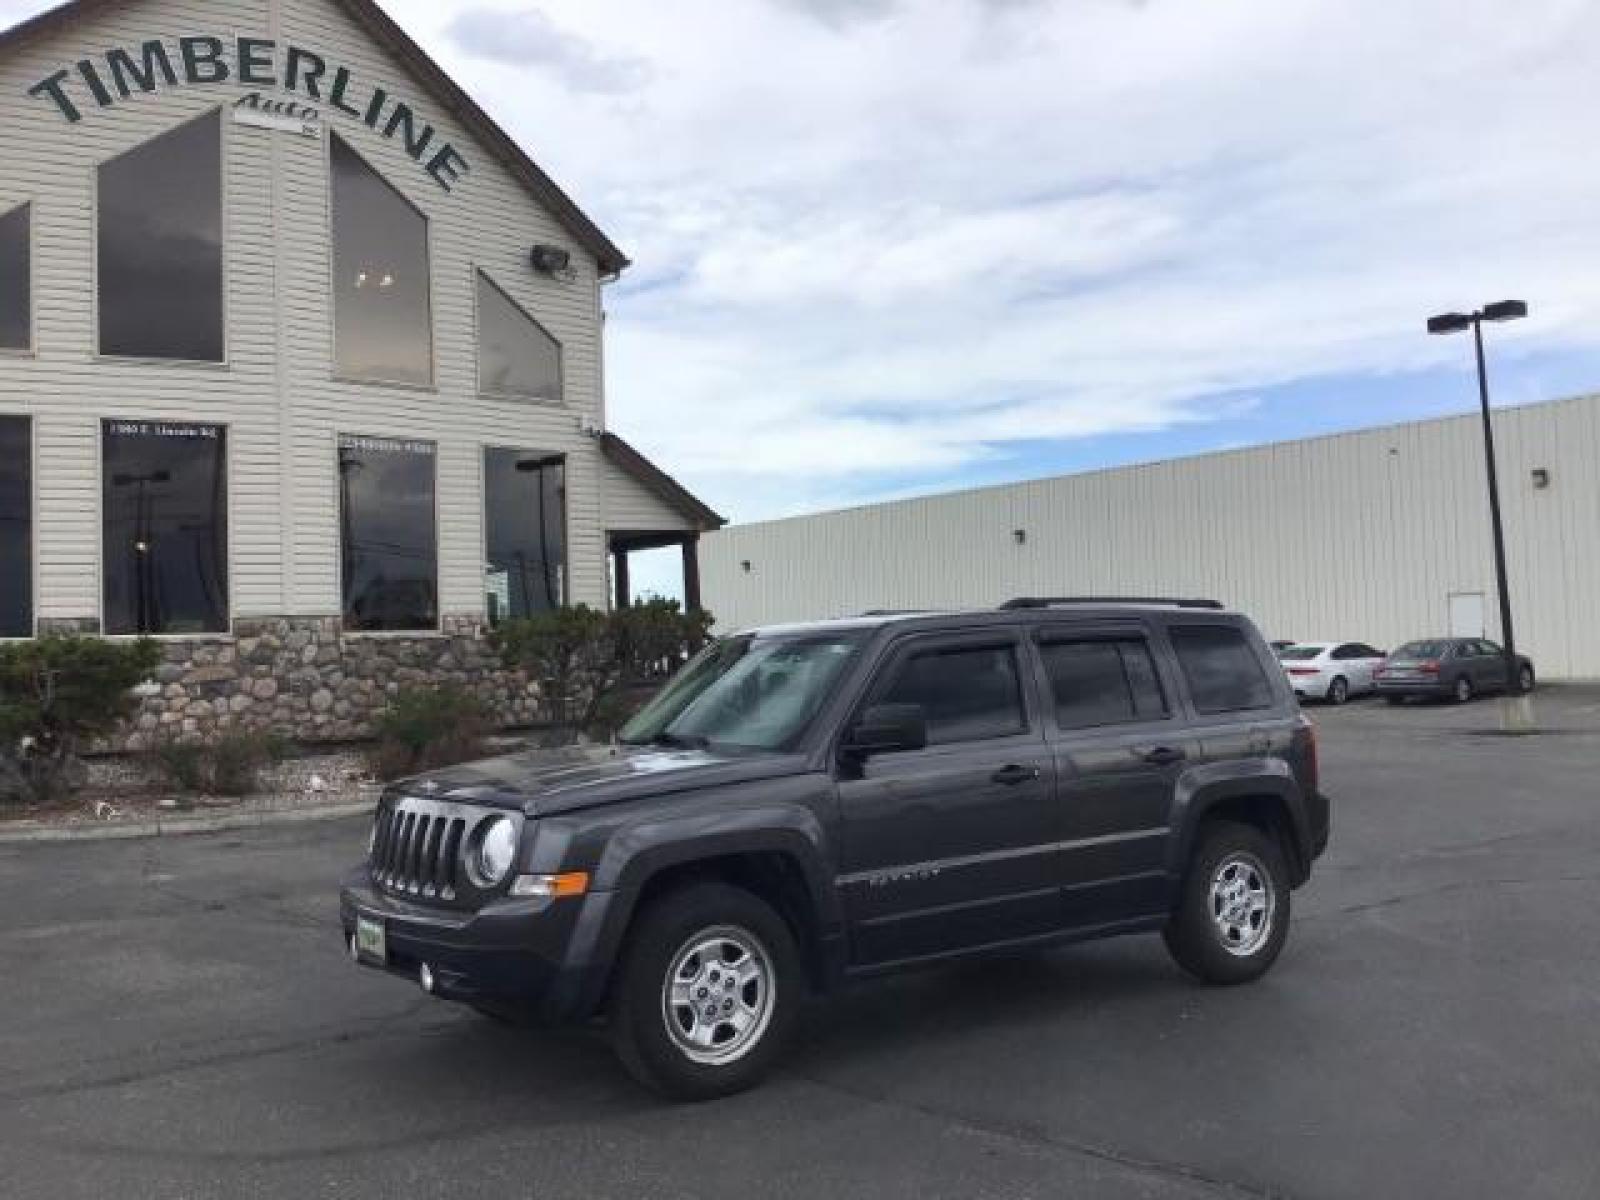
807	805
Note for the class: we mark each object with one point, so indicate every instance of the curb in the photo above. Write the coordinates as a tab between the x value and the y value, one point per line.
184	826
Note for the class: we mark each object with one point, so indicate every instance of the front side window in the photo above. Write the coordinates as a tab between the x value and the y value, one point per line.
388	534
16	279
525	532
16	528
1222	670
383	322
165	514
516	357
966	693
160	247
1099	683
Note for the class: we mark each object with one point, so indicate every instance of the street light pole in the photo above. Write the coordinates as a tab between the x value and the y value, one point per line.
1518	709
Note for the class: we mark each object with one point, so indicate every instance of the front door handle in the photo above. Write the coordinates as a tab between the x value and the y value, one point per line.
1013	775
1161	756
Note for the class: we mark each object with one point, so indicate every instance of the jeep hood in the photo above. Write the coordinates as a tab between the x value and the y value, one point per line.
545	782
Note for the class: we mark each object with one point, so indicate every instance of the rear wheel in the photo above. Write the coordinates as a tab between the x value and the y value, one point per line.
707	992
1339	690
1527	680
1395	701
1233	916
1463	690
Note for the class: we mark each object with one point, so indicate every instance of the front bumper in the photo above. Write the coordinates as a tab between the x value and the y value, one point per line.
534	955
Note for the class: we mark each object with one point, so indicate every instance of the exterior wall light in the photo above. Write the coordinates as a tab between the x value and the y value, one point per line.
1541	478
1020	536
745	566
550	260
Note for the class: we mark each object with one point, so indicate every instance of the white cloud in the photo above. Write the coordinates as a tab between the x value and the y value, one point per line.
879	241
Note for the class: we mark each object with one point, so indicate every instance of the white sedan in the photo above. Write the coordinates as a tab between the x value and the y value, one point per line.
1331	671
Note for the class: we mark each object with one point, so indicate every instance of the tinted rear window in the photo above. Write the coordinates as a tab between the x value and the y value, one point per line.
1423	650
1103	683
1300	653
1221	667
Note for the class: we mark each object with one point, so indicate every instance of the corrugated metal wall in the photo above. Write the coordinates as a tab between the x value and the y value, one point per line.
277	395
1362	535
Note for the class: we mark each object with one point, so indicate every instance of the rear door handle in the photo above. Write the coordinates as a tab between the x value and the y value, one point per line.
1161	756
1013	775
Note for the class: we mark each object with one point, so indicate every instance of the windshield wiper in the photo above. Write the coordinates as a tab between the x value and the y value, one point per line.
681	741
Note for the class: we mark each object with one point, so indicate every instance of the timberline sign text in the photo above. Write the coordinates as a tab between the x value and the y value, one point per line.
253	63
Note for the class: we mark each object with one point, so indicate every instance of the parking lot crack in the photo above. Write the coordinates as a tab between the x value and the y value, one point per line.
1033	1135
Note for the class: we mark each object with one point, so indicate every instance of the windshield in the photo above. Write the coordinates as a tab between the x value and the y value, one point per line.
1300	653
757	693
1422	650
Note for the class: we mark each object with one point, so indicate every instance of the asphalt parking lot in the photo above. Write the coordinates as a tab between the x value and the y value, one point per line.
177	1018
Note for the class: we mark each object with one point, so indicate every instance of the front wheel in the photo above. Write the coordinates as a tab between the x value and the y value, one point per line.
1339	690
1463	690
1233	915
707	993
1527	680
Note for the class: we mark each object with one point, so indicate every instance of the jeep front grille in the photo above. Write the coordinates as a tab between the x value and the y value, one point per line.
417	851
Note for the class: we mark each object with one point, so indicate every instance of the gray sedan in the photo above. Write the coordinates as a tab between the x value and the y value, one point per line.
1448	668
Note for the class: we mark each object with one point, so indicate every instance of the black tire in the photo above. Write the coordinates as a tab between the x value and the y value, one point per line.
1462	690
1339	691
1195	936
662	934
1528	679
1395	701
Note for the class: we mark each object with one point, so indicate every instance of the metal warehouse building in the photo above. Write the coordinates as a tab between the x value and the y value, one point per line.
1382	535
300	364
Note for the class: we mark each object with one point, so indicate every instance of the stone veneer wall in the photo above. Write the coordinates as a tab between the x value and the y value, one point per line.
305	678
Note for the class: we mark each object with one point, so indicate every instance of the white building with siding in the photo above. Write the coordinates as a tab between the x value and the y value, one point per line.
293	340
1381	536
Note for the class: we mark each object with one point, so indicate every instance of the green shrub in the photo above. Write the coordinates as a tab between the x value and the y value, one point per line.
230	764
56	694
571	653
591	664
427	728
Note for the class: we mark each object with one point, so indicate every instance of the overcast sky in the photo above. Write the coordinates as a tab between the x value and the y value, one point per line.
892	246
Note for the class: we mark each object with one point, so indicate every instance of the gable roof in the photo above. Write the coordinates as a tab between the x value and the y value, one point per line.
444	90
656	481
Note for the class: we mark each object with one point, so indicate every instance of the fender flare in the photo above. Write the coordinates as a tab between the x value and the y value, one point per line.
641	851
1198	794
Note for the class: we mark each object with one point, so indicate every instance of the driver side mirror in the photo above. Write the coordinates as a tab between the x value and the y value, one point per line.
888	729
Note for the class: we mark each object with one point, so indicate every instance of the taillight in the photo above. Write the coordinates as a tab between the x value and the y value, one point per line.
1304	671
1428	668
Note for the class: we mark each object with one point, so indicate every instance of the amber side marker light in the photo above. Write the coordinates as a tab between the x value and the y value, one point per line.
552	887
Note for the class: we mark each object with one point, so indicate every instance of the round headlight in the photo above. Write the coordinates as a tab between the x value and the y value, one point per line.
496	853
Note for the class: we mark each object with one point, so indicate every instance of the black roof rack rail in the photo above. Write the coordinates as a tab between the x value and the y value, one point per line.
1022	602
900	612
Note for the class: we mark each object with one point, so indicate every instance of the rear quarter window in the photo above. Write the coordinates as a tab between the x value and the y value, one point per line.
1221	668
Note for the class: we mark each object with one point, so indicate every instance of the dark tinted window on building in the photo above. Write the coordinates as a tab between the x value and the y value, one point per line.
383	320
525	528
1222	669
16	528
1103	683
160	246
16	279
390	561
967	693
516	357
165	513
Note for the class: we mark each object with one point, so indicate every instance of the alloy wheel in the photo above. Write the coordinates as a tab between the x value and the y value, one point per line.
717	999
1243	904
